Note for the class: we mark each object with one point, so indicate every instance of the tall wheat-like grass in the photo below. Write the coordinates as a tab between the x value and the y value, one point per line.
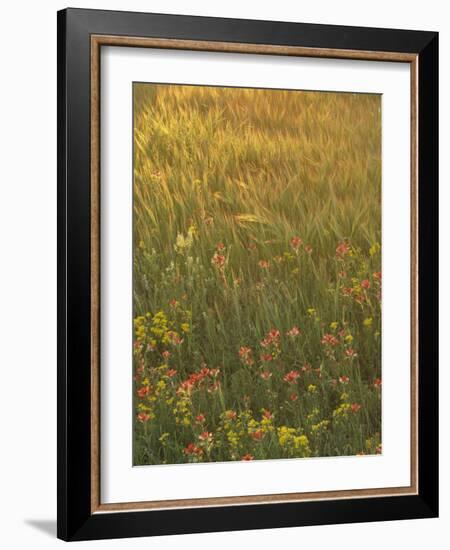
257	273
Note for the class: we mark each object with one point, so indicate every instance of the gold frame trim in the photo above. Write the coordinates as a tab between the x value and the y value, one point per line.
97	41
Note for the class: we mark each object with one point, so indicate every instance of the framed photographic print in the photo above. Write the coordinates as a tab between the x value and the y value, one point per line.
247	252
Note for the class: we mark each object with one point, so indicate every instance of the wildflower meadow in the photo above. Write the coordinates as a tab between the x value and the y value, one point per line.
257	274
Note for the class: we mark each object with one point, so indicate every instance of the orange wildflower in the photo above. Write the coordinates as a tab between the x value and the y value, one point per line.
291	376
246	355
143	417
295	331
174	338
142	392
258	435
205	436
272	338
342	250
296	242
192	449
365	283
330	339
218	260
377	276
247	457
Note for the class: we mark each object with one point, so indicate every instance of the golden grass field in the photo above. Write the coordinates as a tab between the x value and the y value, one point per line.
257	274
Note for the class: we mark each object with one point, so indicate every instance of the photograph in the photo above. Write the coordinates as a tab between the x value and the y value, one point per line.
225	289
247	274
257	278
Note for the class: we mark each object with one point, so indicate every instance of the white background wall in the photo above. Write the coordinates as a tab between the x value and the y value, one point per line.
28	271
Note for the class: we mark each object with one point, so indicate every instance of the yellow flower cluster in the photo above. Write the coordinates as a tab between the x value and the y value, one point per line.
320	428
241	429
264	426
160	387
374	249
313	415
152	329
292	442
182	410
140	328
341	412
184	243
163	439
143	408
233	439
159	329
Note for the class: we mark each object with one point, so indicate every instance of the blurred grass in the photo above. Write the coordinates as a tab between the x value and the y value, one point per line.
251	170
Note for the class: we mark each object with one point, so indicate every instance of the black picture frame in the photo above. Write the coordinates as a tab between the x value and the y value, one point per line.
75	518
